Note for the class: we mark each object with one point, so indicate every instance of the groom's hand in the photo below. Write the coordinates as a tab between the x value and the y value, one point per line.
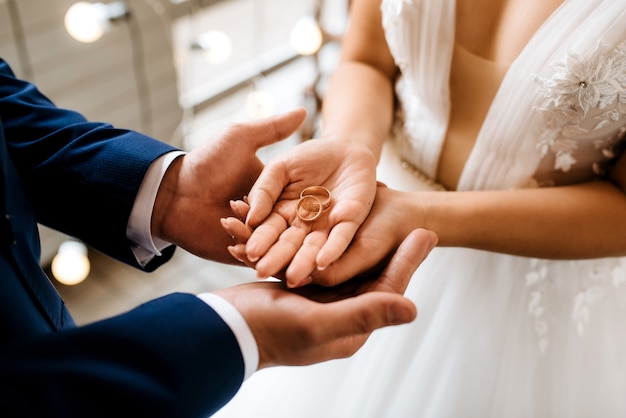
196	189
314	324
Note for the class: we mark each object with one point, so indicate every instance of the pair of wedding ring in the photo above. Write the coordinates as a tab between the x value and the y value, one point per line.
313	202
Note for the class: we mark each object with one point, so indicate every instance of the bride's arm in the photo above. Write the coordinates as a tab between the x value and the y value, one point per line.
568	222
358	105
357	113
580	221
587	220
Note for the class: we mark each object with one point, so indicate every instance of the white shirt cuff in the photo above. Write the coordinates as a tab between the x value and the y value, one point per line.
138	229
239	327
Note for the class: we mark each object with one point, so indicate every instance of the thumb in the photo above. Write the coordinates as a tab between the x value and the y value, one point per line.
271	181
408	257
276	128
265	193
363	314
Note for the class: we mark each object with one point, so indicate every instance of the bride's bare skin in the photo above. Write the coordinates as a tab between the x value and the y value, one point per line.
358	114
494	33
499	30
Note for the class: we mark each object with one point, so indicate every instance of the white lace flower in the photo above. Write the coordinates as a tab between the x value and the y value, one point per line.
580	83
534	305
618	276
600	281
586	82
583	302
564	161
537	273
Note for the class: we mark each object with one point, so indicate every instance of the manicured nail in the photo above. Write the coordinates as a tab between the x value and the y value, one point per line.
231	250
233	207
302	282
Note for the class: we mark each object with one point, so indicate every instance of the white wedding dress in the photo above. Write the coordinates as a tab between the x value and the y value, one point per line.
497	335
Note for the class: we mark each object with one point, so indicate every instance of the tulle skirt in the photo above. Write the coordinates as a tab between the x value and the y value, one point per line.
496	336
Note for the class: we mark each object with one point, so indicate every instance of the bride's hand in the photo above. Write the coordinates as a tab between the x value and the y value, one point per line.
377	239
279	240
389	222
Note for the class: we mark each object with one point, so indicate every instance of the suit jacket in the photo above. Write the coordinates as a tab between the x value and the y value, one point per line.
171	357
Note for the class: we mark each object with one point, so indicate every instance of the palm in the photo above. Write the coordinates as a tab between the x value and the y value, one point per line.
369	251
376	239
344	315
280	239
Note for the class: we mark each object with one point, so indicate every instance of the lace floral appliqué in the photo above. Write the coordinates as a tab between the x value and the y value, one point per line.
598	281
579	85
536	307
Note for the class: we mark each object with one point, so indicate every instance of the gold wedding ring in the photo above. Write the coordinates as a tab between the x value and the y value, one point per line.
313	201
321	193
309	208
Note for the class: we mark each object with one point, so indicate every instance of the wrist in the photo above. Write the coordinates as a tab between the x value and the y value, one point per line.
450	216
164	202
366	140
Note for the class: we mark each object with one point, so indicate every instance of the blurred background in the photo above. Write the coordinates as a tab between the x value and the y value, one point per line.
178	70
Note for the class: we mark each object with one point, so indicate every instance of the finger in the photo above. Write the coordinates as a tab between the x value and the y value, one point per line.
274	178
275	128
238	252
281	253
344	347
265	192
359	260
239	208
362	315
303	263
410	254
338	241
265	235
238	231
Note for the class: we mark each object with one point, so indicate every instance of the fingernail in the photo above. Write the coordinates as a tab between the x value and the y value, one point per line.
227	229
232	252
233	207
302	282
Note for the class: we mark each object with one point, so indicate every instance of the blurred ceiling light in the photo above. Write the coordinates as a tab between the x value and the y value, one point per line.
306	36
87	22
260	104
71	265
216	46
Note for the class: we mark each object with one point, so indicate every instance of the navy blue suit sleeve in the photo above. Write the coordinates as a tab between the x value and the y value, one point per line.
171	357
81	177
